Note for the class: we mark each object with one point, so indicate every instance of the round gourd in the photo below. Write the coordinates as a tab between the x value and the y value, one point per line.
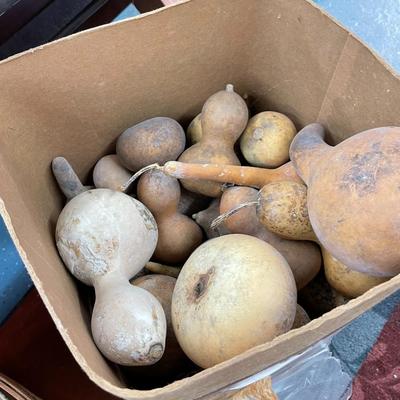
154	140
266	139
346	281
233	293
301	318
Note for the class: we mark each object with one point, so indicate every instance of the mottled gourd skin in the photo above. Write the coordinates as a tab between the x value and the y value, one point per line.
155	140
223	118
104	238
283	210
178	235
346	281
227	285
266	139
353	196
109	173
304	258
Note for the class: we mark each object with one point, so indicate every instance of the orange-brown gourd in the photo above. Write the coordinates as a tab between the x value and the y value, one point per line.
353	196
304	258
346	281
178	235
223	118
155	140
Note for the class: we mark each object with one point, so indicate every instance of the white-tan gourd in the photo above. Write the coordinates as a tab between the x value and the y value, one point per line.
104	238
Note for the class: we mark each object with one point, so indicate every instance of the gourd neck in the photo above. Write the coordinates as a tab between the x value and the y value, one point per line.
111	280
307	148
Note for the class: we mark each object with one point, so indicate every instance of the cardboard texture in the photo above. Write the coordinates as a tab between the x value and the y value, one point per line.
75	96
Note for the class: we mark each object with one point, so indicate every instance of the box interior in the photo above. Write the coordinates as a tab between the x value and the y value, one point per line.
75	96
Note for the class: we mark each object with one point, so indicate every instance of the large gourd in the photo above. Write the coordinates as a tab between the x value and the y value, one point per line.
353	195
104	238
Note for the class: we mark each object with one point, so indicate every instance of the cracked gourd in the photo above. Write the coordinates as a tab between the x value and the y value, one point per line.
104	238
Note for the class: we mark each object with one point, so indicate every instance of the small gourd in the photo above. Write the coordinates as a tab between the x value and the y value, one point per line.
105	237
109	173
194	132
155	140
178	235
223	118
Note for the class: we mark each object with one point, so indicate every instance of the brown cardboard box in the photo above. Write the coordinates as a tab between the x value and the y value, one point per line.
75	96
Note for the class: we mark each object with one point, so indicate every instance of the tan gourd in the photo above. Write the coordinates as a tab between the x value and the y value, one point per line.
282	209
109	173
155	140
194	131
162	287
223	118
266	139
301	317
303	257
233	293
67	179
104	238
353	197
346	281
243	176
205	217
178	235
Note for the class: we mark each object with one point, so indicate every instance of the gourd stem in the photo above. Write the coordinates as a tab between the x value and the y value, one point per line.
157	268
125	187
223	217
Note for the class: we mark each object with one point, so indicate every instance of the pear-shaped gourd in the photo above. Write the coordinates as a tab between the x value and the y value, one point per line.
104	238
353	195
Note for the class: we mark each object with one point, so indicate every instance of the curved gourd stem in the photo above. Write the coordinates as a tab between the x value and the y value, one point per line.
244	176
307	146
223	217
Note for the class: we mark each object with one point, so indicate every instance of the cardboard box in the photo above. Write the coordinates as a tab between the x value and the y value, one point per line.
75	96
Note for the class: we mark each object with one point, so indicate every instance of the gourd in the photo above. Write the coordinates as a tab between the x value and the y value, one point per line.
223	118
205	217
233	293
178	235
155	140
304	258
104	238
266	139
109	173
348	282
162	287
194	131
353	197
191	203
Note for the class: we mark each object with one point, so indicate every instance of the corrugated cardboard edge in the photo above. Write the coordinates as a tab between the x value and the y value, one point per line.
318	324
